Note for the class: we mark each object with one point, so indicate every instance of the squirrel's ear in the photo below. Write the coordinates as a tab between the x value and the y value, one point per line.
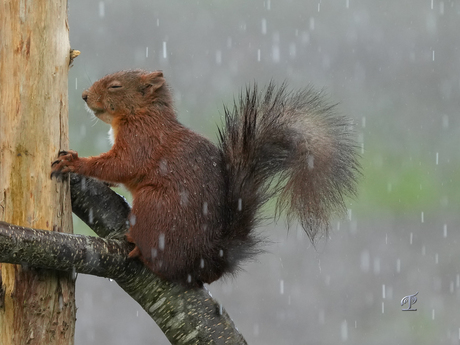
152	82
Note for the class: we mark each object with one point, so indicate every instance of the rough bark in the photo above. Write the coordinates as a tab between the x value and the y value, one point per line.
36	307
186	316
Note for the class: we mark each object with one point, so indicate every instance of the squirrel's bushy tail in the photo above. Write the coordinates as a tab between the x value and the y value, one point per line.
291	145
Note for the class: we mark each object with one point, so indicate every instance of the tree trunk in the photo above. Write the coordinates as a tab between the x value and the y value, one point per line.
36	306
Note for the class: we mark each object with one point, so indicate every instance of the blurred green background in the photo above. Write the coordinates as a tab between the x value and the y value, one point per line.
394	67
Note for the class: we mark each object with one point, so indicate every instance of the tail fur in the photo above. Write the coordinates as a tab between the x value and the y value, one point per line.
289	145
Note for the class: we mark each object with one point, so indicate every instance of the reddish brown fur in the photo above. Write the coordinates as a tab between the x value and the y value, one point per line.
169	170
194	204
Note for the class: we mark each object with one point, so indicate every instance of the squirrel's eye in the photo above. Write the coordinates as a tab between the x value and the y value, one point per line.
115	86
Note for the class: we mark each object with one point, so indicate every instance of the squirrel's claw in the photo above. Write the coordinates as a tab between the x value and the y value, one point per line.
64	164
59	175
70	154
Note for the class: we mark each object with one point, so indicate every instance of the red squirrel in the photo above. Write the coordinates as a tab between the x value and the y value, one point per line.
196	204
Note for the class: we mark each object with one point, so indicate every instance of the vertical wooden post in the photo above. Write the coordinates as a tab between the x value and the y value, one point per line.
36	306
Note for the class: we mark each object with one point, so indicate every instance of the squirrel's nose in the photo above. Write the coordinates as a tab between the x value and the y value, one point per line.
84	96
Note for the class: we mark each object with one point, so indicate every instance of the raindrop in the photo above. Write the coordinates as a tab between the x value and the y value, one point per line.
221	309
398	265
76	83
383	291
264	26
165	53
321	317
319	6
363	122
74	274
205	208
111	136
423	250
255	330
445	230
276	56
411	238
83	183
353	227
221	253
344	330
445	121
61	302
258	55
383	307
292	50
310	162
432	314
433	54
437	158
282	287
132	219
436	258
312	23
154	252
365	261
184	197
146	52
422	217
441	8
218	57
229	42
158	22
432	3
90	216
269	6
201	263
240	204
189	278
101	9
347	4
163	167
161	241
376	266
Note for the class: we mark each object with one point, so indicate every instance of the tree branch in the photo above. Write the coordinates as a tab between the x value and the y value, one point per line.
186	316
64	252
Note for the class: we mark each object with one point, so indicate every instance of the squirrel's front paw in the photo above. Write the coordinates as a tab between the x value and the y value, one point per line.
64	164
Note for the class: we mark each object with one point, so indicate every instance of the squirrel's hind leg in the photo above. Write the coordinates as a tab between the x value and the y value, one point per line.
136	252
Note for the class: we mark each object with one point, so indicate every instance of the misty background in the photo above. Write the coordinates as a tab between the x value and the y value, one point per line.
393	67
